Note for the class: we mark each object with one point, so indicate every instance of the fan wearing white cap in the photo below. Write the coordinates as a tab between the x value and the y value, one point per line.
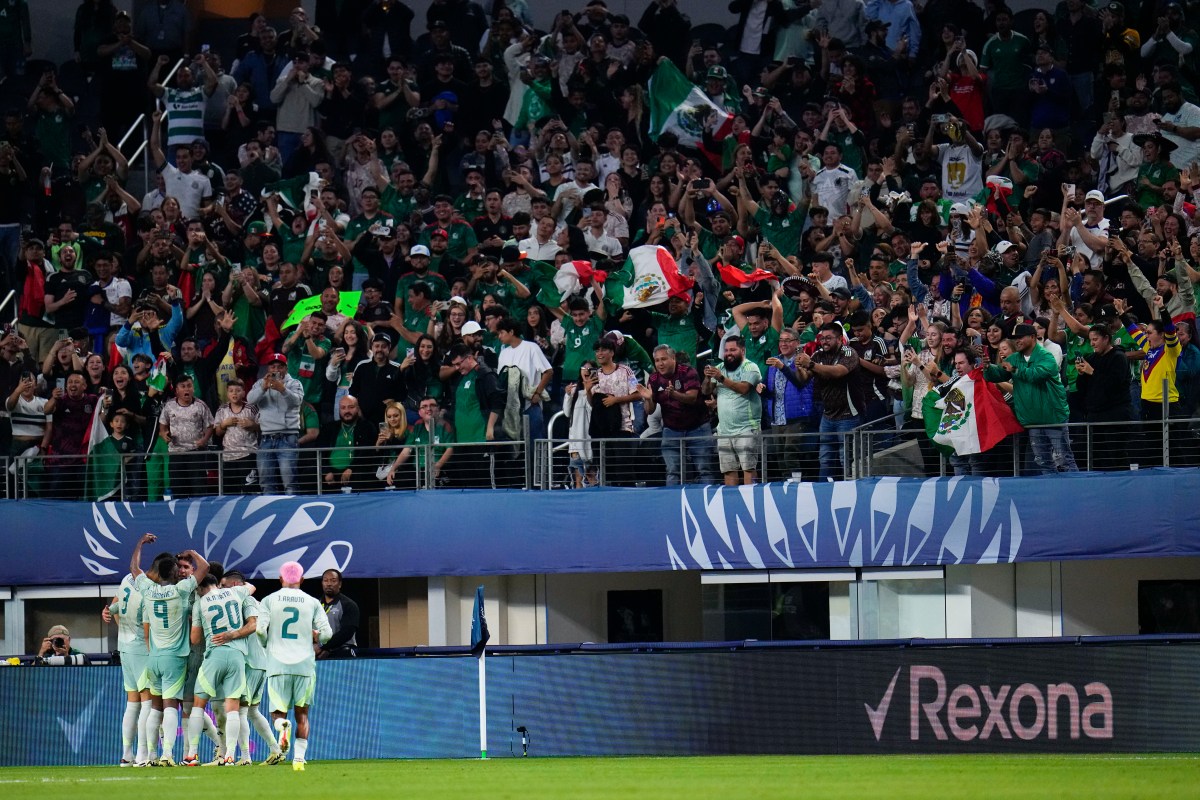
1086	232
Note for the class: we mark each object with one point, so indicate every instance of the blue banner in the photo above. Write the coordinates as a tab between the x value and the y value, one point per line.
1063	698
875	522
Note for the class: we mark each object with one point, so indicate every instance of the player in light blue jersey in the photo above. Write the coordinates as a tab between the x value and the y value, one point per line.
166	618
296	619
125	609
223	621
256	679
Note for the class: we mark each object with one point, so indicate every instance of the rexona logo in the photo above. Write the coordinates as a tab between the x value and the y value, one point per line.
968	713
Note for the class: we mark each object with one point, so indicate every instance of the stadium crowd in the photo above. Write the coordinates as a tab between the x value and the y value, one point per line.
876	197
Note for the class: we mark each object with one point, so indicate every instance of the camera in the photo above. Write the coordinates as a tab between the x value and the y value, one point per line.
58	641
1067	252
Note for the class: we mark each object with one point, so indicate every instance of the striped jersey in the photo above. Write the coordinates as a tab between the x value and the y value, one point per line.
185	120
167	611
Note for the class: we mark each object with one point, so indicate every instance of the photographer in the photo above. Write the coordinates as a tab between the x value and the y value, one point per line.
56	648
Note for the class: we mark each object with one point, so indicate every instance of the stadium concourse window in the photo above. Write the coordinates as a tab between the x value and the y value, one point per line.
766	611
902	604
1168	606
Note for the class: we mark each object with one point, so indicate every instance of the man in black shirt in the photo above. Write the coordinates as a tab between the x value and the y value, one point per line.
343	618
67	291
1103	384
376	379
832	365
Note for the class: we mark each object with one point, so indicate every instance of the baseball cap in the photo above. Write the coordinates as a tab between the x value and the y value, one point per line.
511	253
841	292
257	227
57	630
419	250
1024	329
959	208
471	327
738	240
459	299
439	232
717	73
761	91
35	242
381	336
1094	194
438	23
1004	246
1116	9
277	358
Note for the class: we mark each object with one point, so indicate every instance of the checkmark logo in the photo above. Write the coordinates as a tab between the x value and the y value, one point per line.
878	714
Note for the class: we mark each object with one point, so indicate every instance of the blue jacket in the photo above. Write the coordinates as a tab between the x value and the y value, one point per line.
797	399
136	341
902	19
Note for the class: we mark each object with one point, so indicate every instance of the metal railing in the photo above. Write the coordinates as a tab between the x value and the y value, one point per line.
562	463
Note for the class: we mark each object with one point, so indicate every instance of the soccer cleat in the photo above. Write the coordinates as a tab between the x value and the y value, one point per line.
216	762
191	761
125	762
167	761
285	739
273	759
153	762
297	766
140	764
244	761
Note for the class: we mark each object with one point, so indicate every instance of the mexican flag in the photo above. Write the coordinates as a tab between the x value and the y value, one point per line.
574	276
157	379
677	105
103	473
971	417
347	304
649	277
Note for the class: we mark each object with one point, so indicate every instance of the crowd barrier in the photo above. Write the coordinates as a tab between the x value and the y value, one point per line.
877	449
1058	696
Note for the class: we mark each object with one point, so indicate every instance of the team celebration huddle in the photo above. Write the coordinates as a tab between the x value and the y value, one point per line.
192	635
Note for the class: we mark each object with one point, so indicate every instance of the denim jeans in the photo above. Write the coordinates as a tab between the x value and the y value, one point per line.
537	420
288	143
1052	450
833	445
277	460
699	458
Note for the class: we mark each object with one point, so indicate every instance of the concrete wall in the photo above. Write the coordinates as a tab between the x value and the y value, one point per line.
578	604
1101	597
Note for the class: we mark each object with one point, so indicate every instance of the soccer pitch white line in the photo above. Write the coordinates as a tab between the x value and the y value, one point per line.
97	780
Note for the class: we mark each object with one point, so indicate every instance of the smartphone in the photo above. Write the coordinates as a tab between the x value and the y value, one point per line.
383	427
204	48
60	384
1071	191
702	183
340	351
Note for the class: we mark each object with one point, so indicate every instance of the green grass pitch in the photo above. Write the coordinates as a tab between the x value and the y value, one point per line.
1155	777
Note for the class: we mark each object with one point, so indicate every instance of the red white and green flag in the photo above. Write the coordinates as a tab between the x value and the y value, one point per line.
650	276
973	417
677	105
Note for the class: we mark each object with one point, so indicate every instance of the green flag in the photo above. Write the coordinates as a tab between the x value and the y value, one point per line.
347	304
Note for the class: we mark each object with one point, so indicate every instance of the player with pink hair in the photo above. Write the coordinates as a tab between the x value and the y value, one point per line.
296	619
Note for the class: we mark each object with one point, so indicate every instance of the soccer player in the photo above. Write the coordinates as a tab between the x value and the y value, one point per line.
223	620
126	610
165	615
291	660
195	659
256	678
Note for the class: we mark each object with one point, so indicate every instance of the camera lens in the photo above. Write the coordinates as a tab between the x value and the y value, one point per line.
58	641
